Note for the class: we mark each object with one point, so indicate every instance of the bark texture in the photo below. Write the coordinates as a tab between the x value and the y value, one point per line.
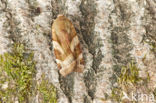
112	34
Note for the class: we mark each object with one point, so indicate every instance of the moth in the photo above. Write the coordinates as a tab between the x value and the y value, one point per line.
66	44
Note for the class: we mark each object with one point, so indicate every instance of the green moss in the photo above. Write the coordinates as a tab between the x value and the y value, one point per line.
17	71
129	74
47	91
129	77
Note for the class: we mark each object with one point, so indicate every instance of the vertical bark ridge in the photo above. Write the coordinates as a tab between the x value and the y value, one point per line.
87	23
121	44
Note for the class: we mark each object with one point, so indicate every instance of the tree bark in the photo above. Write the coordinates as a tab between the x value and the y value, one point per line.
112	34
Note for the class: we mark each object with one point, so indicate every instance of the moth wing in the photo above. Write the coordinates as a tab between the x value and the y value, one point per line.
66	46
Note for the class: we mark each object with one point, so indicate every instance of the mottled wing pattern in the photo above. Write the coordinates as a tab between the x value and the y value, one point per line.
66	45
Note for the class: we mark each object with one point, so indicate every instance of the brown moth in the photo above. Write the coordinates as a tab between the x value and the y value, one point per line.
66	46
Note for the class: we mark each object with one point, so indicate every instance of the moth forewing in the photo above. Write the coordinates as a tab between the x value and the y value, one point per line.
66	46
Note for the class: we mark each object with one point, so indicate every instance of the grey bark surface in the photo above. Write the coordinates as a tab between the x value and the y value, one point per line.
111	33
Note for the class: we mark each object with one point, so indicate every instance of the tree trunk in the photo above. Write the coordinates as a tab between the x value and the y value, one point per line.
113	33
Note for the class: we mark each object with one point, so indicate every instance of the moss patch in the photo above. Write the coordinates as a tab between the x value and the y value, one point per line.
129	74
128	81
47	91
17	78
16	73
